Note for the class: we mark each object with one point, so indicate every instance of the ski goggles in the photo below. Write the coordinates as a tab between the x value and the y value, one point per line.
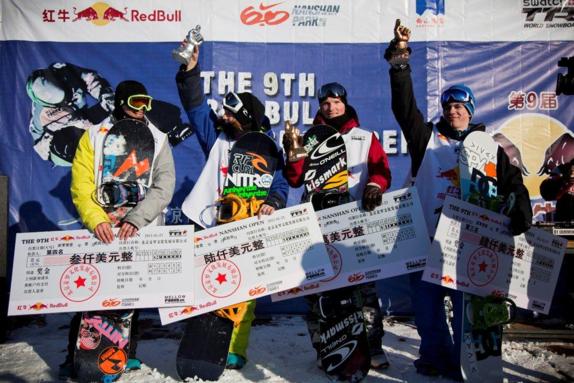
140	101
332	89
455	95
233	103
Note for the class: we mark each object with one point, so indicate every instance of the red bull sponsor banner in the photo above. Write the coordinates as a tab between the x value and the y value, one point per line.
473	251
367	246
73	271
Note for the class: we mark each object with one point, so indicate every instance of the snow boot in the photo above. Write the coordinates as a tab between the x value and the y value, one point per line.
235	361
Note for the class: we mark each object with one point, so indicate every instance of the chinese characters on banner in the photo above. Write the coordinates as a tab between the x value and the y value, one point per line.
66	271
366	246
473	251
254	257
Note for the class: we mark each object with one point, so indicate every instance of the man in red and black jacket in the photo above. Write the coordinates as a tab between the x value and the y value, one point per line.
369	178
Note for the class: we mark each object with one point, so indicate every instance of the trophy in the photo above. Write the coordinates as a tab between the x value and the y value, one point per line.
183	53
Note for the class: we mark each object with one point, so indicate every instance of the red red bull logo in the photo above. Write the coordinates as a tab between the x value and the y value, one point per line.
67	238
447	279
101	14
188	310
38	306
451	175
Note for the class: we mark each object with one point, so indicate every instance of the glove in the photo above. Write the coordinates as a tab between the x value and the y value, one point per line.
398	52
179	133
372	197
518	224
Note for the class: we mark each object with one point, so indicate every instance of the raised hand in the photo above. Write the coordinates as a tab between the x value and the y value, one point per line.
193	59
402	35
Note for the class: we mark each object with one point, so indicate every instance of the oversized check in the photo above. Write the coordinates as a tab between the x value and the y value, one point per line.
365	246
63	271
473	251
254	257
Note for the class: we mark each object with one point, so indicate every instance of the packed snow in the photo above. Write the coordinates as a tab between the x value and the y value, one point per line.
279	351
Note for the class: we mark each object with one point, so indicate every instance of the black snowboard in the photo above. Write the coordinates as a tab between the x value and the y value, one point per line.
344	349
102	347
205	343
325	168
203	348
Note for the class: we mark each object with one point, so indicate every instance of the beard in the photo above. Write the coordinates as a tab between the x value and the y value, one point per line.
232	130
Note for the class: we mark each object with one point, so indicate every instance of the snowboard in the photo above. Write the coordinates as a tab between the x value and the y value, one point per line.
102	347
126	168
483	317
124	175
252	162
344	349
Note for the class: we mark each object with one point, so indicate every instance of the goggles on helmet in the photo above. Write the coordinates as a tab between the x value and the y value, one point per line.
140	101
233	103
455	95
332	89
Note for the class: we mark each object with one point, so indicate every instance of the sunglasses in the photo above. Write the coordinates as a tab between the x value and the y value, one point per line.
332	89
455	95
233	103
140	101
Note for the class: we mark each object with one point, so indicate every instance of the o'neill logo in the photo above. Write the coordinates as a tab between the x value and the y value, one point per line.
101	14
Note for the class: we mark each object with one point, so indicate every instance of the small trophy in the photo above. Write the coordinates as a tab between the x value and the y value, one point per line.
183	53
293	143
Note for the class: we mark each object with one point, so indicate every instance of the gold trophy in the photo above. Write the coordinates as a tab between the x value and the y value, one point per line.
293	143
183	53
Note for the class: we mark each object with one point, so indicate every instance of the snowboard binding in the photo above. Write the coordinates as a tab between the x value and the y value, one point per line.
491	311
118	194
232	208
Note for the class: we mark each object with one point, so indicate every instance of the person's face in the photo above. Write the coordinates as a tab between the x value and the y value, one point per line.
456	115
332	107
236	129
132	113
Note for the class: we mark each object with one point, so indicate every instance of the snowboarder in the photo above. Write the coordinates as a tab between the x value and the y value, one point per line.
369	176
243	113
131	102
434	151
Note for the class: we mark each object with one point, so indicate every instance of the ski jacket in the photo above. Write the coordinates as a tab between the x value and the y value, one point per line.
87	162
204	122
368	163
419	133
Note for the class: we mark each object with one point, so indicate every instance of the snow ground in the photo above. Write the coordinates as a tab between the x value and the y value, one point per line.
280	351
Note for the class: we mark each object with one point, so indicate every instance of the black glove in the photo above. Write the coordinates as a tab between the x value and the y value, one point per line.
518	224
372	197
179	133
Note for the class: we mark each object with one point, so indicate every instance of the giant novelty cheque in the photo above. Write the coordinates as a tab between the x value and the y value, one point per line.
253	258
473	251
66	271
365	246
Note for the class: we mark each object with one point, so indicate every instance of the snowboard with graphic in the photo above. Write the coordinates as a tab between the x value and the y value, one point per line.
126	168
205	343
102	347
344	349
483	317
124	175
